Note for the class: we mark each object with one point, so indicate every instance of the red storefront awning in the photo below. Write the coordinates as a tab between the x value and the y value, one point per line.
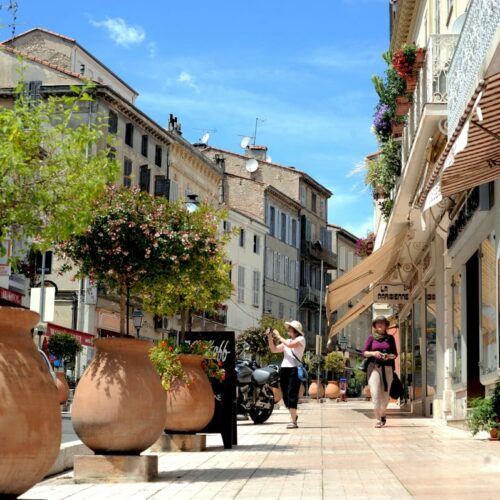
10	296
85	338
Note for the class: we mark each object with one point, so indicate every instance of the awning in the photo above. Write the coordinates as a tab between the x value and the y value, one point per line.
85	339
472	155
370	270
352	314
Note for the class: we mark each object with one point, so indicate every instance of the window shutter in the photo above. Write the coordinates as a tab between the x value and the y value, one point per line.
160	185
174	191
144	178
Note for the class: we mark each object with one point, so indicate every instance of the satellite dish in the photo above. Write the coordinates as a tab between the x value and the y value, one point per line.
269	159
252	165
205	138
245	142
457	26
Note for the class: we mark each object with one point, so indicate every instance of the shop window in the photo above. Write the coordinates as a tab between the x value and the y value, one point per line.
430	339
489	355
457	368
416	389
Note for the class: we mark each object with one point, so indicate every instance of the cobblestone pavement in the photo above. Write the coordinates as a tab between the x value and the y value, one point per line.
335	453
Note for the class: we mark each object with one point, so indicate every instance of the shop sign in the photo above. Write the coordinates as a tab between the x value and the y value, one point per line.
84	338
10	296
391	293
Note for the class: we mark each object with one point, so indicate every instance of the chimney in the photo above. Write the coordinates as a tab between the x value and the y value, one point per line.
257	152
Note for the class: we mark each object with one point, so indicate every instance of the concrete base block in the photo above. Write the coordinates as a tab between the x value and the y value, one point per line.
67	455
115	468
180	442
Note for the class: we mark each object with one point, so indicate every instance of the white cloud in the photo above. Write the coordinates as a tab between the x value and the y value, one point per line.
152	49
361	229
187	79
122	33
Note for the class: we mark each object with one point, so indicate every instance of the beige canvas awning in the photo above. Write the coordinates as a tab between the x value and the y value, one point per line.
371	270
351	315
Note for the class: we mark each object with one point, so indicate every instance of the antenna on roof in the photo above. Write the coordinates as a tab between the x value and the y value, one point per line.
257	120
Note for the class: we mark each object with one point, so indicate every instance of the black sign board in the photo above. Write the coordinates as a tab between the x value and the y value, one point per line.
48	262
224	420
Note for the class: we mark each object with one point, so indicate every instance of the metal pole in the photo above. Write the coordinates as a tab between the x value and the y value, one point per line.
128	310
320	337
42	296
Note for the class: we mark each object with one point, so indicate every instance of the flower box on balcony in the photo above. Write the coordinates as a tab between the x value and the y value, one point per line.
397	128
419	59
402	105
411	83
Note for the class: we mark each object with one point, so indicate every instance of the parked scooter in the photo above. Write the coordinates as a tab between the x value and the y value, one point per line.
255	397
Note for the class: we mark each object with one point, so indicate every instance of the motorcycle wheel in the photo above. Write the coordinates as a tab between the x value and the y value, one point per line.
260	415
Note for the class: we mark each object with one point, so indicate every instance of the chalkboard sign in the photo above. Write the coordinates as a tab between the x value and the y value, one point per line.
224	420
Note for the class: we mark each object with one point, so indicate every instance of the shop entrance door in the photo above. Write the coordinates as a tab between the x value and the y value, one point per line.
474	387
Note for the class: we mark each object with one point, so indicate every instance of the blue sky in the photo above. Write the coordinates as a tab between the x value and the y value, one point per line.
303	67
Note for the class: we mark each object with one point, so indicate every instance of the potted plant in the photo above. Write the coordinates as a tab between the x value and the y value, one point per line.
408	60
132	240
402	105
334	363
481	416
47	186
64	347
185	370
364	246
315	364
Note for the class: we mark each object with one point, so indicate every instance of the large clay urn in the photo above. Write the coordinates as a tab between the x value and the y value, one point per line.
190	406
119	403
30	418
313	389
62	387
332	390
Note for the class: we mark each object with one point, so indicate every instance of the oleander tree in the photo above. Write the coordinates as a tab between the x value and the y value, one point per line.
200	279
64	347
52	166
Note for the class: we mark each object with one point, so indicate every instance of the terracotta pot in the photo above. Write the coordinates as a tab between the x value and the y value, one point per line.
397	129
402	105
62	388
278	395
190	408
313	389
119	403
332	390
411	83
30	418
366	392
419	59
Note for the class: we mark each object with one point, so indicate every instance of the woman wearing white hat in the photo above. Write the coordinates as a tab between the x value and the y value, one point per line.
293	352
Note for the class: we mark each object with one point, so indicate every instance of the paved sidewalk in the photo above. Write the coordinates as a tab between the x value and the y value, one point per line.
336	453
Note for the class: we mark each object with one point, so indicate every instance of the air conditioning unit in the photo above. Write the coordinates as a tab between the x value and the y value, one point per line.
161	323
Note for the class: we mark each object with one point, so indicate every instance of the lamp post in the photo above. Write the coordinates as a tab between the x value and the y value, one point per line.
137	317
192	202
319	337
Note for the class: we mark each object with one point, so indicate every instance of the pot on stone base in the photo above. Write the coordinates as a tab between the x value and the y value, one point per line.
190	407
30	418
313	389
119	403
332	390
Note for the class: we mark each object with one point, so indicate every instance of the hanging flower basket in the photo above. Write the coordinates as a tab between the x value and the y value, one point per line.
419	58
364	246
402	105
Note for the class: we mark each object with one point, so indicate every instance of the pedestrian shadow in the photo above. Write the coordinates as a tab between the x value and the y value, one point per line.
264	447
216	474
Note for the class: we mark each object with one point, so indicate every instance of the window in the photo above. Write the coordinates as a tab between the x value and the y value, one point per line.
256	289
313	202
294	233
430	336
286	278
283	227
322	208
241	284
226	226
144	178
160	185
256	244
276	269
127	172
488	321
437	16
303	195
416	386
269	264
269	306
272	221
158	155
144	146
111	153
112	122
456	285
281	310
129	135
242	238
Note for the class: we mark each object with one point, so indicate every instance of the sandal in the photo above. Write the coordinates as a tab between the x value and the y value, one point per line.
292	425
379	424
383	421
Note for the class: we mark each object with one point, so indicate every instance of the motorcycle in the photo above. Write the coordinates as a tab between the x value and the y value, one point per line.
253	385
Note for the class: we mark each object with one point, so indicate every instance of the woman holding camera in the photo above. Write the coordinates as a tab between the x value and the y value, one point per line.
380	348
293	351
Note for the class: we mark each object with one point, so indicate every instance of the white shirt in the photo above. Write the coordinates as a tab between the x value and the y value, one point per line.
288	359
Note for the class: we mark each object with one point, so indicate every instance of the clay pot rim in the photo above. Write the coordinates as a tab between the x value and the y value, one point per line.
122	343
11	312
191	358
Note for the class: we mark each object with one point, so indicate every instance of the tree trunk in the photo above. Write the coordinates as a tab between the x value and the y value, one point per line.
183	325
123	305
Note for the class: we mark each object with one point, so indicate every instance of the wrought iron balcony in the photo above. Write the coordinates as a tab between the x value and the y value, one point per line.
478	33
308	295
431	87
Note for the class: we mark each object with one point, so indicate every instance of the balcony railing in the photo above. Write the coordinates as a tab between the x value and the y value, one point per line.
431	85
478	32
309	295
327	256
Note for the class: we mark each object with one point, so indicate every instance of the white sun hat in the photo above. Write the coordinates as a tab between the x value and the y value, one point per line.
296	325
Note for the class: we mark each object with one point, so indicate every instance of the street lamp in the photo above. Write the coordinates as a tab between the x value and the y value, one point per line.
137	317
343	343
192	202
